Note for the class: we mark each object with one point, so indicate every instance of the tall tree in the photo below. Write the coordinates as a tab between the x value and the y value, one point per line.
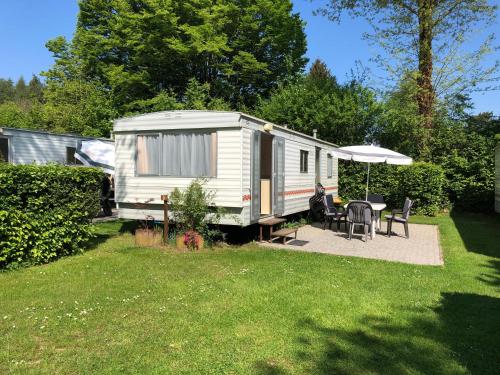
139	49
35	89
320	72
21	90
427	36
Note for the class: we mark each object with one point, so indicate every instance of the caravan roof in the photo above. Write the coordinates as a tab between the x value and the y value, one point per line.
191	120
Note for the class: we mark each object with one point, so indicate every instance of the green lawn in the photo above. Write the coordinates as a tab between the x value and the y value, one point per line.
118	309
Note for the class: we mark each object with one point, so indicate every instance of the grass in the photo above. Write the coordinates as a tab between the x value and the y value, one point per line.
248	310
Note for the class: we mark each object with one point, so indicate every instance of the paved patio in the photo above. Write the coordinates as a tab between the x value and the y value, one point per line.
422	247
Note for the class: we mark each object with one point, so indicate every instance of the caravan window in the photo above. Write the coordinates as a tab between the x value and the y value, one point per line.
189	154
70	156
304	156
4	150
147	155
329	166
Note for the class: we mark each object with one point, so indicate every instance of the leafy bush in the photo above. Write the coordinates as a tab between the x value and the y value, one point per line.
422	182
45	211
193	208
467	158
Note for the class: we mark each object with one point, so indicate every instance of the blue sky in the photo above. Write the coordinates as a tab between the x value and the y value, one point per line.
28	24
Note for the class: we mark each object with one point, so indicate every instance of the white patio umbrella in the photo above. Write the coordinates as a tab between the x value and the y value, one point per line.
96	154
371	154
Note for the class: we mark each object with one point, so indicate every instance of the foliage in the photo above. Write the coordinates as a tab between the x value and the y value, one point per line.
295	223
140	49
14	115
467	158
21	93
424	183
78	106
462	144
193	208
45	211
398	127
343	114
21	105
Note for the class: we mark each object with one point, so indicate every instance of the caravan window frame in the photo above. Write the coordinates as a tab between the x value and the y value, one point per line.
160	134
329	166
304	161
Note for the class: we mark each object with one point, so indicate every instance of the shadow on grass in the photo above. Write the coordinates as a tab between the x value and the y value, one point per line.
109	229
462	335
479	232
492	276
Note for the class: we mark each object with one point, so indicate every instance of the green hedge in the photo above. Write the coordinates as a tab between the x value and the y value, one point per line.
45	211
422	182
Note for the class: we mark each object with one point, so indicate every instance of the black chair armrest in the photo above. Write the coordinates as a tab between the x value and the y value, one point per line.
396	211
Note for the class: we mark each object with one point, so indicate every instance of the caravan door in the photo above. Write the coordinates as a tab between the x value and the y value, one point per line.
279	175
255	168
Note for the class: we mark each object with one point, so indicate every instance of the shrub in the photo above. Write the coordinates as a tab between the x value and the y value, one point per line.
45	211
467	158
193	208
422	182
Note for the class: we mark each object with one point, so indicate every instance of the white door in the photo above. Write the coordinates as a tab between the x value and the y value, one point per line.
255	167
279	175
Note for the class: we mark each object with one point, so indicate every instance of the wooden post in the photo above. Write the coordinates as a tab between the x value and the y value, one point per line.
164	198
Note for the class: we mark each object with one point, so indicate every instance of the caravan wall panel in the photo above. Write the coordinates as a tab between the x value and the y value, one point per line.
28	147
140	190
299	187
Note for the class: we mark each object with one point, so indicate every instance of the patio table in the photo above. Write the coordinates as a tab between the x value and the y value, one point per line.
377	209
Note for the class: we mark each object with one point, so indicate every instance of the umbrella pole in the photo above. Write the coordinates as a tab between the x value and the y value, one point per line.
367	181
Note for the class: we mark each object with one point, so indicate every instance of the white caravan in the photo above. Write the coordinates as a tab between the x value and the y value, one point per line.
256	169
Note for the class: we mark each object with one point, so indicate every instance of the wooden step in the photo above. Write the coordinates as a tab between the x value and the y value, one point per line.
272	221
284	233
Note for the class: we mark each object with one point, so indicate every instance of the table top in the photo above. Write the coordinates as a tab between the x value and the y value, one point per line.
375	206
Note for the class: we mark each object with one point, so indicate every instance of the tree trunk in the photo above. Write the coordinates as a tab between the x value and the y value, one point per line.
426	93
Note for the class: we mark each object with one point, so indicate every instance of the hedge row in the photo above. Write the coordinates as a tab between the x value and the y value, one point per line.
45	211
424	183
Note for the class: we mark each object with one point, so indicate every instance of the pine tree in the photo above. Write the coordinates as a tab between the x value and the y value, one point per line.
35	89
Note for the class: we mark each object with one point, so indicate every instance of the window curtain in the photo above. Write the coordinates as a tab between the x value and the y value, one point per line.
188	154
147	155
329	166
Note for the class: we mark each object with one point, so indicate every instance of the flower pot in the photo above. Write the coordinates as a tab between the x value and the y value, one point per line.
182	241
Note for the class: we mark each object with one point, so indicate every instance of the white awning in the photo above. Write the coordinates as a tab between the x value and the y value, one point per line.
97	154
371	154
